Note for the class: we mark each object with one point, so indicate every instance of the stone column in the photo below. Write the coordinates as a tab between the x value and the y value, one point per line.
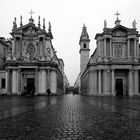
40	81
130	83
43	81
135	50
95	82
128	45
136	82
99	50
14	81
53	82
99	82
20	45
110	47
105	54
48	78
7	80
105	82
19	81
36	81
91	82
112	80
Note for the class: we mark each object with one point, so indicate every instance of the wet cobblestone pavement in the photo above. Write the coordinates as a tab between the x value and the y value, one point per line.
69	117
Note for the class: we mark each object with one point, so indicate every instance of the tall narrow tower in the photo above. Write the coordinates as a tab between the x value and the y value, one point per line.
84	49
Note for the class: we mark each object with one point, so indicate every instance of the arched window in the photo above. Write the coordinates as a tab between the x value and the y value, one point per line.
85	45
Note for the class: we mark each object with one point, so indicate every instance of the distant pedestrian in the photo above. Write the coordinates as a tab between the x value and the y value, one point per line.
49	92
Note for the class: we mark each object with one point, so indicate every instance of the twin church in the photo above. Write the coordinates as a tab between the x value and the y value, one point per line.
114	67
29	63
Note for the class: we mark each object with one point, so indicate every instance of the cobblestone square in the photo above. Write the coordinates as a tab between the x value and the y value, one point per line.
69	117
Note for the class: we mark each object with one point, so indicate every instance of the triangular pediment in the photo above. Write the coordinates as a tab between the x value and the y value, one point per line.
122	31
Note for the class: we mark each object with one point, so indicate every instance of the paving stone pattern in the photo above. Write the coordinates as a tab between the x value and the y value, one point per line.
68	117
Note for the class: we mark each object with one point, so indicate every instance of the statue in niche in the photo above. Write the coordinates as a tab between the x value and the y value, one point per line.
30	51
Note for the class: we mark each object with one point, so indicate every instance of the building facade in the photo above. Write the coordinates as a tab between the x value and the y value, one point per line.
114	67
31	64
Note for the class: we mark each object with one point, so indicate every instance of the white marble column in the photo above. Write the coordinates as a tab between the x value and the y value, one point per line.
130	83
44	81
136	82
99	82
53	82
105	82
14	81
112	81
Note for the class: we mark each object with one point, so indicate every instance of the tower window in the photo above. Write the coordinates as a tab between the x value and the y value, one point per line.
41	38
85	45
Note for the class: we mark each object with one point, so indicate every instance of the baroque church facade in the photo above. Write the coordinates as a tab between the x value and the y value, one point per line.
114	67
29	63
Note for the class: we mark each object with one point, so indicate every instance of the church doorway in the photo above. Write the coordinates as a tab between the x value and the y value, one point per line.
30	86
119	87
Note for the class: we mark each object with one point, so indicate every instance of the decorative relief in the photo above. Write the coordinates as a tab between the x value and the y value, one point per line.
118	51
30	51
119	33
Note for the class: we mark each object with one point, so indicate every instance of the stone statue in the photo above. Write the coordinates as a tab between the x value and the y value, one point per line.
105	24
134	24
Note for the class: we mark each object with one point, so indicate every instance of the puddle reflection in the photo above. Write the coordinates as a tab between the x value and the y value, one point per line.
117	106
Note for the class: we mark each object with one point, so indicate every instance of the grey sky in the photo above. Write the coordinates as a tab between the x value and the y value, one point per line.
67	18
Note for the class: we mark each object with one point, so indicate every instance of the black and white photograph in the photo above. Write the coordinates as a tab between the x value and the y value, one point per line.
70	70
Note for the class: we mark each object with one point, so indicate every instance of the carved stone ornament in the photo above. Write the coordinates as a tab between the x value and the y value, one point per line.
118	51
30	51
119	33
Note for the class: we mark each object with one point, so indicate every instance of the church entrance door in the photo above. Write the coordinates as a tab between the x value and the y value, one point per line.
30	86
119	87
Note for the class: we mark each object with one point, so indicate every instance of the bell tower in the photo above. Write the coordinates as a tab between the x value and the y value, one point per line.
84	49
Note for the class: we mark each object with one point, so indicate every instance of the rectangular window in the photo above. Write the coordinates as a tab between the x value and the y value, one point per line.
3	83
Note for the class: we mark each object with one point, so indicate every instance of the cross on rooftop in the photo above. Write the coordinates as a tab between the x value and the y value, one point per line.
31	12
117	14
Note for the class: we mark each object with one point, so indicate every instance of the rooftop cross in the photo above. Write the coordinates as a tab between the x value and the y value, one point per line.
31	12
117	14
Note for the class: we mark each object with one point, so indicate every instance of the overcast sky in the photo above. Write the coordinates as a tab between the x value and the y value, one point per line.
67	18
